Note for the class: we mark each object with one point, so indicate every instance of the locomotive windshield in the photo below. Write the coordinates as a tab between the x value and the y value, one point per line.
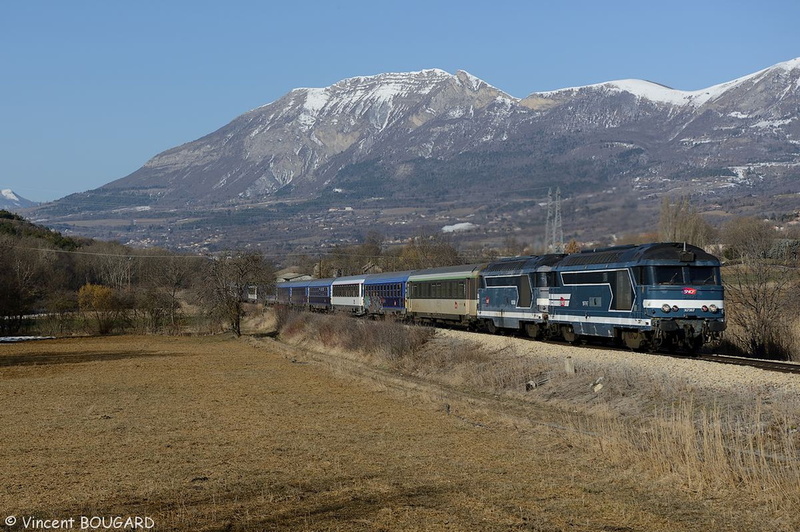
666	275
677	275
703	275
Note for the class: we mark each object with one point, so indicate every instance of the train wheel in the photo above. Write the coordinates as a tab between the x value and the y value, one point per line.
633	340
532	330
491	328
569	334
693	344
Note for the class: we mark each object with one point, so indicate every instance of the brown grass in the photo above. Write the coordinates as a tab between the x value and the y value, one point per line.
212	433
704	442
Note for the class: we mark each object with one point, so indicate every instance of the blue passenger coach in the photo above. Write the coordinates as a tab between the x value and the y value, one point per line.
319	295
385	293
293	293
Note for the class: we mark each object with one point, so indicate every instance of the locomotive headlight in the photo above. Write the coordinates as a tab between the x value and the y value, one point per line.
675	308
665	307
704	308
713	308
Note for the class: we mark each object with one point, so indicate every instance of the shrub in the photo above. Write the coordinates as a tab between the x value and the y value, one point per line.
389	339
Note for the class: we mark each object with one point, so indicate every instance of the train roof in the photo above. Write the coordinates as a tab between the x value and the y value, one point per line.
291	284
388	277
307	282
662	252
518	265
350	279
320	282
447	272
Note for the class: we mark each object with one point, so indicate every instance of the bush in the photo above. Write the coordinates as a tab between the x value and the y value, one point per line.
389	339
103	306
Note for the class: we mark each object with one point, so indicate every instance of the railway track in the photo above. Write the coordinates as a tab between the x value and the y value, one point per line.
769	365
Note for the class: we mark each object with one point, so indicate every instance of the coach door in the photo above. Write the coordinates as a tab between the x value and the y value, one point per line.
623	290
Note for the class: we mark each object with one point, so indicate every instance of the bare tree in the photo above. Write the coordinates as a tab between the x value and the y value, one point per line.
229	277
355	259
24	274
166	275
759	292
428	251
680	222
572	247
748	238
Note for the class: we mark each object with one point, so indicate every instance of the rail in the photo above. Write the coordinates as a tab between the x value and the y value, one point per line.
769	365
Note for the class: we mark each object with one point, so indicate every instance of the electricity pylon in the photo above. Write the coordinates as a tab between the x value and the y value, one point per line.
554	231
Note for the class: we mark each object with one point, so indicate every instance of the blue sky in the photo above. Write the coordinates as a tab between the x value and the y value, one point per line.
90	90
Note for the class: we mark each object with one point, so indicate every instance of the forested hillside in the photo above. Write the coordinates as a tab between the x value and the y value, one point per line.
54	284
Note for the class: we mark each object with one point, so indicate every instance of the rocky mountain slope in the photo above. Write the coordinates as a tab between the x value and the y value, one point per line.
453	143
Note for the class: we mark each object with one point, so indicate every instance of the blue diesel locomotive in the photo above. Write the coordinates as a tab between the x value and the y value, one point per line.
649	296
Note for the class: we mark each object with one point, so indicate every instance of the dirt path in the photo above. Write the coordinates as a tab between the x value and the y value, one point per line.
223	434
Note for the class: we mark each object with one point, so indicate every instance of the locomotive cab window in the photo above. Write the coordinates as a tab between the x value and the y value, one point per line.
703	275
677	275
666	275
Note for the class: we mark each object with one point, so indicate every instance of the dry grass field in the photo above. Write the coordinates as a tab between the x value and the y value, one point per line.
217	433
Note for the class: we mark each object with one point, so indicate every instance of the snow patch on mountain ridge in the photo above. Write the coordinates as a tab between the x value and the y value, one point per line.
662	94
9	194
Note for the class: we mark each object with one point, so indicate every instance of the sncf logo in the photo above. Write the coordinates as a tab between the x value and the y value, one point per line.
689	291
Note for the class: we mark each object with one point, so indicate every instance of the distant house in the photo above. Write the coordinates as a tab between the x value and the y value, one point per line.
288	275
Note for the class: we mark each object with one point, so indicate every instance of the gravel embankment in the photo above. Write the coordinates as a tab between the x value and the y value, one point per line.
674	372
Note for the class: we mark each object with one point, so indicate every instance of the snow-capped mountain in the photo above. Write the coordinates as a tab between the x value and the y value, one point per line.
303	138
658	93
10	201
433	137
